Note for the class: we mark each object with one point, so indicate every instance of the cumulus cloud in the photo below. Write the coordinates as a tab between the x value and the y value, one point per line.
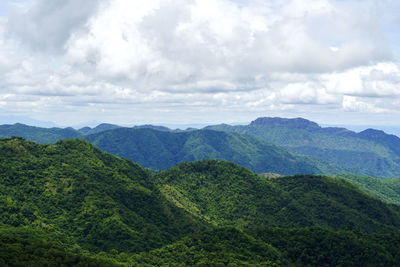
44	24
197	55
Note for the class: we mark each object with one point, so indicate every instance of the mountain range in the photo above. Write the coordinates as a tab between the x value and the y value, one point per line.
70	203
370	152
285	146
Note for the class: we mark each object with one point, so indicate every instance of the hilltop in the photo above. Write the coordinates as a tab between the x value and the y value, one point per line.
370	152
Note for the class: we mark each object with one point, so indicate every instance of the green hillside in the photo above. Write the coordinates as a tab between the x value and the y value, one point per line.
387	190
38	134
70	204
98	201
316	246
372	153
219	247
160	150
99	128
26	246
226	194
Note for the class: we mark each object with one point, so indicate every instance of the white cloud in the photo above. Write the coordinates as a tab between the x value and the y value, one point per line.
197	55
380	80
44	24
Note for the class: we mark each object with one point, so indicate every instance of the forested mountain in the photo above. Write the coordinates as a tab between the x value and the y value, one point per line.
161	150
226	194
315	246
70	204
328	150
99	128
52	135
38	134
370	152
387	190
96	200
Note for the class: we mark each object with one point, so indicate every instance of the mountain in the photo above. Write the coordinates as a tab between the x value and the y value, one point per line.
149	126
218	247
38	134
226	194
99	128
26	246
315	246
160	150
387	190
70	204
10	119
388	140
371	152
92	199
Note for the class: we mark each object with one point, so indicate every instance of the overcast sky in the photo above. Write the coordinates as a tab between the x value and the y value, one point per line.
200	61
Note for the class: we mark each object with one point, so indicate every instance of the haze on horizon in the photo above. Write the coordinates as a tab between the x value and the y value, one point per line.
200	61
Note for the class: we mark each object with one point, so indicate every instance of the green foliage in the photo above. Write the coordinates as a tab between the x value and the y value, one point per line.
38	134
387	190
322	247
99	128
99	201
31	247
220	247
364	153
228	194
70	204
161	150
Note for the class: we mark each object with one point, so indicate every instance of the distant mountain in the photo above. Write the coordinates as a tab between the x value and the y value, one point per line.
388	140
38	134
99	128
298	123
160	150
155	127
370	152
226	194
25	120
52	135
106	126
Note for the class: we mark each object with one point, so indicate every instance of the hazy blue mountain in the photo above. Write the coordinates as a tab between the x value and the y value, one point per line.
155	127
25	120
99	128
160	150
370	152
38	134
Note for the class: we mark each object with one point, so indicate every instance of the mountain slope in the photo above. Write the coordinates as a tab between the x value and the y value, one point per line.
226	194
371	152
97	200
316	246
99	128
387	190
218	247
38	134
161	150
72	204
25	246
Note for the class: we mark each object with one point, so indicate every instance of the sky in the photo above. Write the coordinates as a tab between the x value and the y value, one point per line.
200	61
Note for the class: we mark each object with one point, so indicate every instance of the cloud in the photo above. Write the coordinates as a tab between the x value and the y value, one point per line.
380	80
44	24
229	56
193	40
